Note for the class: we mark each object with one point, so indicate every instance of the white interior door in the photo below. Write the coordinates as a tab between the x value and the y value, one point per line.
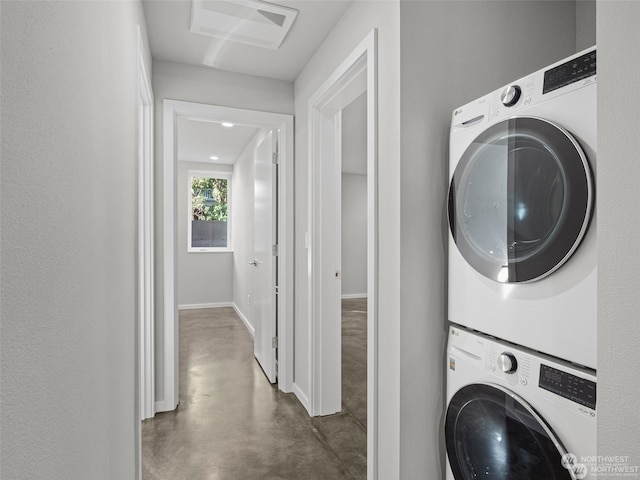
264	305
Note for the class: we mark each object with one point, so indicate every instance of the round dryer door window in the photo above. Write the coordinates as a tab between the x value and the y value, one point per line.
492	433
520	200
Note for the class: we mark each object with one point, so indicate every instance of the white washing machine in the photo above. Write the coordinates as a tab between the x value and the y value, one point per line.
516	414
522	238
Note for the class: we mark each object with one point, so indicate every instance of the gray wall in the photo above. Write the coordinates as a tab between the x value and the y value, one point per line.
69	112
68	278
204	278
210	86
585	24
359	19
451	53
618	230
413	128
354	235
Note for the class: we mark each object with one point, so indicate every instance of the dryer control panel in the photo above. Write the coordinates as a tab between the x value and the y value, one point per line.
570	72
558	79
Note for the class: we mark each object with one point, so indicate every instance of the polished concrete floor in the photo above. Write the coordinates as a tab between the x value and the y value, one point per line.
233	425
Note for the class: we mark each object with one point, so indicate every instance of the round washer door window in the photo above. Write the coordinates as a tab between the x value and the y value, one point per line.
520	200
492	433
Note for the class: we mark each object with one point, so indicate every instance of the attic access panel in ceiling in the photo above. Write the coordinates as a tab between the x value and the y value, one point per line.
253	22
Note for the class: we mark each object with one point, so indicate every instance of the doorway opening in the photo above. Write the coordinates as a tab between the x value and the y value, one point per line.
354	260
167	354
356	76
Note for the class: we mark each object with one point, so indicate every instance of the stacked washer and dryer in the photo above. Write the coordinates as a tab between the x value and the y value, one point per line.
521	357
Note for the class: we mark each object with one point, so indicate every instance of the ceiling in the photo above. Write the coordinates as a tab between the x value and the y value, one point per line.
168	23
170	39
200	139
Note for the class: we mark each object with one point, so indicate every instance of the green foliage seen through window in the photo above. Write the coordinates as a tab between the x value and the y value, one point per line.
209	198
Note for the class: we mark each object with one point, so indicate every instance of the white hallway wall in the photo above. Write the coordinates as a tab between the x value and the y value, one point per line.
203	278
214	87
354	235
354	198
68	277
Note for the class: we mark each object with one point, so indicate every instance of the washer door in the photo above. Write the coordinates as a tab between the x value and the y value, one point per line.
520	200
493	433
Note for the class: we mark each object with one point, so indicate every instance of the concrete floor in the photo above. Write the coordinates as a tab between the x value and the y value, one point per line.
233	425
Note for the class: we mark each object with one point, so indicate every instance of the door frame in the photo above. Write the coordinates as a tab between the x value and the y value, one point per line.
145	239
172	109
145	317
355	75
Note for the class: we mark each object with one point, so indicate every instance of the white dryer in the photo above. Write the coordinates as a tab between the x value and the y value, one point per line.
513	414
522	242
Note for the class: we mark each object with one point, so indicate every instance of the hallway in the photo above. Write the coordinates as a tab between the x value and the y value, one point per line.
231	424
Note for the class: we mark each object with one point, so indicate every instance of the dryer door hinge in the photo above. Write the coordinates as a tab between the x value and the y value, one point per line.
274	342
275	157
275	250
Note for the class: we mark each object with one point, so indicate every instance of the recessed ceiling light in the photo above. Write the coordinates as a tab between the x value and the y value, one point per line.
227	124
213	157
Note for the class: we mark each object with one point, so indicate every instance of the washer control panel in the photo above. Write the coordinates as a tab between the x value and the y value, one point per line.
514	365
576	389
481	358
507	362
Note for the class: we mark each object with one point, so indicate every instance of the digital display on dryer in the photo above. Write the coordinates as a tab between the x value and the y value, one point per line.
569	386
570	72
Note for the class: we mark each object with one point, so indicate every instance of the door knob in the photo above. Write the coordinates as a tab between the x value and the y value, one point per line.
254	262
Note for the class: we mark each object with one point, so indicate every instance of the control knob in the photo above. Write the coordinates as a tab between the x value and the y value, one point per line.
507	362
511	95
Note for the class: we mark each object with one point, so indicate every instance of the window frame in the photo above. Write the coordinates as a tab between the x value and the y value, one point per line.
191	174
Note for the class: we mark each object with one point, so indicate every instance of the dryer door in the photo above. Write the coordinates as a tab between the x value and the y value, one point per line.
493	433
520	200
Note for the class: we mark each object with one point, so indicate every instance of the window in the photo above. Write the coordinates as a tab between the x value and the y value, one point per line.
209	227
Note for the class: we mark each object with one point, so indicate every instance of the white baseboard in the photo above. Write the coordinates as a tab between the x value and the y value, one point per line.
302	397
164	406
197	306
244	320
354	295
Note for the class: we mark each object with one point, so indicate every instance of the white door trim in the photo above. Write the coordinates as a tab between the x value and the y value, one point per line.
356	74
172	109
145	237
145	374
